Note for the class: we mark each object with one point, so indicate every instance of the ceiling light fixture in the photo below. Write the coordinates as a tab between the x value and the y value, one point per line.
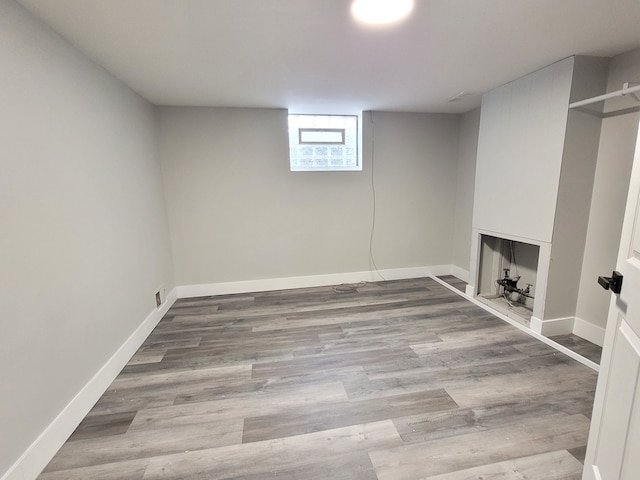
381	11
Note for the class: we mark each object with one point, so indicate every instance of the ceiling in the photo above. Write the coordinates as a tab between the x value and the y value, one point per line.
310	55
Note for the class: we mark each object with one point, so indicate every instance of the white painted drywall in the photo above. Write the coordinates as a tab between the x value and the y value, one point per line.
84	241
574	193
615	156
237	213
415	169
466	174
520	148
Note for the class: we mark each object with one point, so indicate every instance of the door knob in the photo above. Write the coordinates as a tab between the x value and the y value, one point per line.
613	283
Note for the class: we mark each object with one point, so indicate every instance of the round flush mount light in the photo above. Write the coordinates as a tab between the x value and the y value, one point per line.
380	12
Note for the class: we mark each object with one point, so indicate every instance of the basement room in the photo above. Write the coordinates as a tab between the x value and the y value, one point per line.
320	239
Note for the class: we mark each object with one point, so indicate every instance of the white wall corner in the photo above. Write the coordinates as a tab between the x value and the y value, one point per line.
460	273
283	283
553	326
589	331
474	266
43	449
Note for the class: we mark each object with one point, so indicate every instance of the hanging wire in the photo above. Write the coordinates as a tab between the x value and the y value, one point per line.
513	258
348	287
353	287
372	260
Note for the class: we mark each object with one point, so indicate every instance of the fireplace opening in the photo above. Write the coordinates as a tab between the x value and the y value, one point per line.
507	276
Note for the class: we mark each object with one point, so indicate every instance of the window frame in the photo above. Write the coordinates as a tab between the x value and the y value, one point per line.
357	145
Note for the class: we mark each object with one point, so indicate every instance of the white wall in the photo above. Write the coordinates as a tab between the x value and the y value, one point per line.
84	241
520	145
415	164
237	213
577	173
615	156
466	174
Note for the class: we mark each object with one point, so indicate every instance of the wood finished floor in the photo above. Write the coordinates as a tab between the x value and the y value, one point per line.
399	380
579	345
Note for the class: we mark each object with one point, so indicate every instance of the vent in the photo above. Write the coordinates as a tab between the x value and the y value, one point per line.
461	96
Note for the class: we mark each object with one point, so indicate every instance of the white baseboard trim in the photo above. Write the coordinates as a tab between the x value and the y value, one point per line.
589	331
553	326
528	331
42	450
460	273
265	285
470	291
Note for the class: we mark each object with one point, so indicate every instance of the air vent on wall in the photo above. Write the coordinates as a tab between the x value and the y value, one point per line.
462	95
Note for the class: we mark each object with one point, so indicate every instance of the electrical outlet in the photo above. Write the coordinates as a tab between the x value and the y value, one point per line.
158	299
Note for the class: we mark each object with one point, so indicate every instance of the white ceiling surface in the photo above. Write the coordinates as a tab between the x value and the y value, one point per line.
310	54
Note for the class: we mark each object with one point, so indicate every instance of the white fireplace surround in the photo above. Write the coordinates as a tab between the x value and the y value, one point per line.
544	258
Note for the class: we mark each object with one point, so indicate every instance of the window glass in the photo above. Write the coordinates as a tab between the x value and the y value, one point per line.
323	142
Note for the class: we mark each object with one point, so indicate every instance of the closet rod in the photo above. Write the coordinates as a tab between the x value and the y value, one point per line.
606	96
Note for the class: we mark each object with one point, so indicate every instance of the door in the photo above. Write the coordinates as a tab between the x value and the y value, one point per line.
613	452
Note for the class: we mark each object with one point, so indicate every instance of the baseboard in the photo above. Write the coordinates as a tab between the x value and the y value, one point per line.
265	285
589	331
42	450
460	273
470	291
553	326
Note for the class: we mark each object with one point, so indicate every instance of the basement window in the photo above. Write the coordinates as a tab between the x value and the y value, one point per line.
324	143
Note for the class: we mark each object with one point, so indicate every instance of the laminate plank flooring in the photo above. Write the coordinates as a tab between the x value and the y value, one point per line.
582	347
393	380
454	281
